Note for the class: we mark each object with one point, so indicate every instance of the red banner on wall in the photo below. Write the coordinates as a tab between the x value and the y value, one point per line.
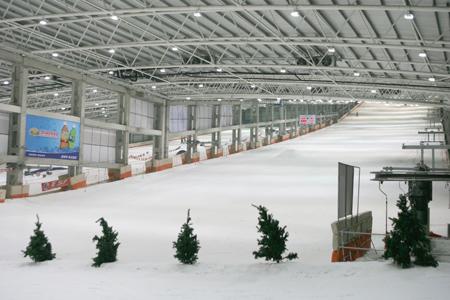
55	184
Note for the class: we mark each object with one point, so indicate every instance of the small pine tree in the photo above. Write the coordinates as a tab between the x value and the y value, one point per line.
39	249
273	240
106	244
408	238
187	244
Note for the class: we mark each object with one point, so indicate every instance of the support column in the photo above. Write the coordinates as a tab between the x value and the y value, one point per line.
236	133
16	140
282	125
191	150
78	105
122	141
216	135
161	160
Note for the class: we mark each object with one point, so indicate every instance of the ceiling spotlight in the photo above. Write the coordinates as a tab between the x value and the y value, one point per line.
356	74
331	50
259	100
110	72
153	86
163	70
252	86
43	22
111	51
114	17
5	82
54	54
200	85
219	99
47	77
241	100
197	14
408	16
219	70
309	88
96	104
94	91
103	108
106	116
174	49
373	91
188	98
295	14
56	94
63	108
432	79
422	54
283	71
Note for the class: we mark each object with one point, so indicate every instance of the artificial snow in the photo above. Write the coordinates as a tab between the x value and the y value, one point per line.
296	180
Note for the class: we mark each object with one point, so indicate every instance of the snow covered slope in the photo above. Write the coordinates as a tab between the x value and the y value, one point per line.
296	180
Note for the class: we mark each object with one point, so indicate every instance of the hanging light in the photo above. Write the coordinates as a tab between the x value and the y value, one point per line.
373	91
114	17
408	16
111	51
309	88
331	50
110	72
43	22
175	49
283	71
188	98
295	14
432	79
197	14
163	70
219	70
422	54
153	86
200	85
54	54
6	82
356	74
47	77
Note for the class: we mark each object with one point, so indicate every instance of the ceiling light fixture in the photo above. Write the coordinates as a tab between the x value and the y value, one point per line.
432	79
331	50
197	14
56	94
47	77
295	14
188	98
259	100
174	49
408	16
219	70
219	99
373	91
111	51
252	86
200	85
283	71
153	86
54	54
43	22
94	91
110	72
163	70
114	17
356	74
309	88
5	82
422	54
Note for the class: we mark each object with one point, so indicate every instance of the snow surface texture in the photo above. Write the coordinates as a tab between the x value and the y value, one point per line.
296	180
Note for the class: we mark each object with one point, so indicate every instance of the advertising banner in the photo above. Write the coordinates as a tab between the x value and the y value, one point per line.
307	119
55	184
52	138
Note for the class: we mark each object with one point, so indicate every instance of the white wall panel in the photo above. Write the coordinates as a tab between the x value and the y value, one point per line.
141	114
178	118
4	127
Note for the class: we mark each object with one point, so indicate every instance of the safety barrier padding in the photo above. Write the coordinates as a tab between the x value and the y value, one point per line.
119	173
177	160
283	137
219	153
254	145
148	165
17	191
208	153
2	196
266	141
440	248
161	164
356	225
195	157
75	182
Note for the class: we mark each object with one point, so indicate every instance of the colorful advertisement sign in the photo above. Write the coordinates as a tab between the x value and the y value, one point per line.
307	119
46	186
52	138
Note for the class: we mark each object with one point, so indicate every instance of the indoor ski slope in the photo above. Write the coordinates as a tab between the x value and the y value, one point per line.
296	180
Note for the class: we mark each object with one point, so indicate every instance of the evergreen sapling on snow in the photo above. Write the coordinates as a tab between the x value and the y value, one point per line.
106	244
273	239
187	244
39	248
408	238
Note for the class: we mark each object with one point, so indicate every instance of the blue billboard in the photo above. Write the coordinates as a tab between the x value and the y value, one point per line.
52	138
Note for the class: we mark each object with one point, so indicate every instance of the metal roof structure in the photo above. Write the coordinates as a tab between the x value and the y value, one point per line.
338	50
